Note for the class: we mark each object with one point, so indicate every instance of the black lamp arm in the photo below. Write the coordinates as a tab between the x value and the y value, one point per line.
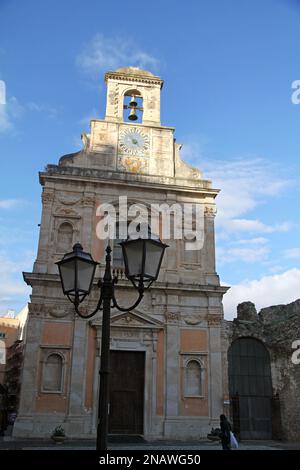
122	309
76	304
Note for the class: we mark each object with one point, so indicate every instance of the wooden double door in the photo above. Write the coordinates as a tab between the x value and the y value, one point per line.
126	392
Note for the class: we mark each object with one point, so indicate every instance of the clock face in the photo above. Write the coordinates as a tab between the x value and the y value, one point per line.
133	141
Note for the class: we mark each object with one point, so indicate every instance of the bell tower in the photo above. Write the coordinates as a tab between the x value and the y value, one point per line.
137	83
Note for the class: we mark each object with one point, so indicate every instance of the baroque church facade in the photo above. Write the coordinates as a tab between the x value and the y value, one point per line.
166	373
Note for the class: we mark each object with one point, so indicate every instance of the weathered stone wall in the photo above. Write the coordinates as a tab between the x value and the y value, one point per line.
277	327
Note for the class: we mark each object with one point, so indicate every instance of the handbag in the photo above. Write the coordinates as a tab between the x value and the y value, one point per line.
233	442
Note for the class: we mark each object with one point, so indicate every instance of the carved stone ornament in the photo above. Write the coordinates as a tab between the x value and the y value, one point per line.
89	201
192	319
69	199
47	196
38	309
86	139
60	311
66	212
172	317
57	311
128	319
133	164
214	320
210	211
135	319
111	97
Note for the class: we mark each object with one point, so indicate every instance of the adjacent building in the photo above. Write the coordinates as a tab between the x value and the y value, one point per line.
12	328
12	339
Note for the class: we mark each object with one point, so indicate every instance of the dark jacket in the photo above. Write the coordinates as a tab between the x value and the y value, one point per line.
225	431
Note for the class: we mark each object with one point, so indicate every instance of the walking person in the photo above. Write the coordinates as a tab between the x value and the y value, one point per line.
225	432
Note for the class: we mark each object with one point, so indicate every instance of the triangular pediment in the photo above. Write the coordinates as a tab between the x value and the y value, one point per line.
135	319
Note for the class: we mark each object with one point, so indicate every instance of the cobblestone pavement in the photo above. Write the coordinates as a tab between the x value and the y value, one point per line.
126	444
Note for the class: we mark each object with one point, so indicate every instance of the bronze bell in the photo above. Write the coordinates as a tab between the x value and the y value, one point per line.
133	103
132	115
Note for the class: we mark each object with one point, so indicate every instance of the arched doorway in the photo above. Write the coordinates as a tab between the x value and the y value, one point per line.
250	388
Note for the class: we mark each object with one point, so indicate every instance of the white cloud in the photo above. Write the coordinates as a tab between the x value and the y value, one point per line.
5	122
247	255
9	266
85	120
13	293
13	290
253	226
104	53
9	112
269	290
10	203
253	241
292	253
274	268
49	111
10	289
245	184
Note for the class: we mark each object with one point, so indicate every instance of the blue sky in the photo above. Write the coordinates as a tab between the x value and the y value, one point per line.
228	69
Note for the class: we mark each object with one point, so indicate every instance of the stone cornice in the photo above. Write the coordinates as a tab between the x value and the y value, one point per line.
134	77
165	183
38	278
154	126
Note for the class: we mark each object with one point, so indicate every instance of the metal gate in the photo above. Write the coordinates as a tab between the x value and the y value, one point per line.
250	388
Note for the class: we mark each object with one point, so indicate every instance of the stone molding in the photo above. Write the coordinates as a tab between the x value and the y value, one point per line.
175	184
136	78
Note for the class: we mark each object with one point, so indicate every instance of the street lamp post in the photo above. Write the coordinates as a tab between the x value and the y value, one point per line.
142	259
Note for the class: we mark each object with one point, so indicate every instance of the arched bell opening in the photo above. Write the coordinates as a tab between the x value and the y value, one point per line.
133	106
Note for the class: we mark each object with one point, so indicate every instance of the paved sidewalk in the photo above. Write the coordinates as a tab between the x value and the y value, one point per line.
125	444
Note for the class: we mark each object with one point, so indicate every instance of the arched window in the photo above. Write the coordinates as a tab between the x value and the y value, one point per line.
64	238
193	379
53	373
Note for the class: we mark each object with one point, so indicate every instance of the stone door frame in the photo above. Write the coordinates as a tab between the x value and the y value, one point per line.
138	333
